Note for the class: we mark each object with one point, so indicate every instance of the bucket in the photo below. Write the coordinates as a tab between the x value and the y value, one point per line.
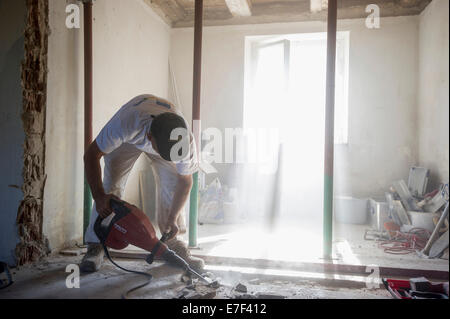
349	210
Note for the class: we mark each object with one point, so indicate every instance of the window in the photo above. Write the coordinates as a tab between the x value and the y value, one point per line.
288	73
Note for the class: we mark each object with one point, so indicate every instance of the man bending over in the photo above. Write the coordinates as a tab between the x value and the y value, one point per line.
147	124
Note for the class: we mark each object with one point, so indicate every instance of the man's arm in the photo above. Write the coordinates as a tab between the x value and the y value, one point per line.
182	191
94	178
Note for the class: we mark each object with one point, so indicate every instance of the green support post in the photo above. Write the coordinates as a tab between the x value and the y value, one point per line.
198	34
329	131
87	206
328	217
88	101
193	212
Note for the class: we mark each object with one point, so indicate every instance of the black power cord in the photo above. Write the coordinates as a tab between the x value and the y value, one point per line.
149	276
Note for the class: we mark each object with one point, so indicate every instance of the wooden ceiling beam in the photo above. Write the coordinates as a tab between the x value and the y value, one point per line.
239	8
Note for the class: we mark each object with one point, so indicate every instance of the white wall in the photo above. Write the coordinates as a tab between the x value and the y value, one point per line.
131	47
63	194
433	100
382	101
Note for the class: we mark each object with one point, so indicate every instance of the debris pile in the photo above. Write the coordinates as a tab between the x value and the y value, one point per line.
197	289
413	220
240	291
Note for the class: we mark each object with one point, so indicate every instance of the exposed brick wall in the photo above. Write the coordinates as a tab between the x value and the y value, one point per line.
33	244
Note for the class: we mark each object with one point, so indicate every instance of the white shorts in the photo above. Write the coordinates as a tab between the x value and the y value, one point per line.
118	165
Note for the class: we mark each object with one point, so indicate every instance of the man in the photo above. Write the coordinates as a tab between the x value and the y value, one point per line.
146	124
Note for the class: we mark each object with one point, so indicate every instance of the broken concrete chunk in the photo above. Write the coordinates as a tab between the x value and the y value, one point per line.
215	284
202	292
184	292
185	279
191	287
198	290
209	295
241	288
192	295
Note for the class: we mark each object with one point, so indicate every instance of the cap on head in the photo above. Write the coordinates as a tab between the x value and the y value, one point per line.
161	129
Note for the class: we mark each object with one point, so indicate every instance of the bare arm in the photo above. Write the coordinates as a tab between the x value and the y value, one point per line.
94	178
182	191
93	170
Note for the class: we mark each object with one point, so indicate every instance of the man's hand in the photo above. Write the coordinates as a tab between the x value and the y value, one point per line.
103	206
172	229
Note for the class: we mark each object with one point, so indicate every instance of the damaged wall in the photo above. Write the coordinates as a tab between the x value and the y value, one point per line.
12	25
382	94
33	244
433	99
131	45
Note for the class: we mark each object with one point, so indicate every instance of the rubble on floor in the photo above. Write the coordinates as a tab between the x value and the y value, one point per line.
241	288
197	289
31	282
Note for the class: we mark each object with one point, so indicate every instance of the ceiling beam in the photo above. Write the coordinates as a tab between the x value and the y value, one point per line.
169	11
318	5
239	8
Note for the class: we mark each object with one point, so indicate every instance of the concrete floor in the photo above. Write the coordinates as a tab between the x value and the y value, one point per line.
47	280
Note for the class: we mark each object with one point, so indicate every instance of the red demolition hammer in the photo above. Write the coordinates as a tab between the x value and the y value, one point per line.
128	225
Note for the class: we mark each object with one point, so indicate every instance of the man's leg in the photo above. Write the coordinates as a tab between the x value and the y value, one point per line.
118	166
166	181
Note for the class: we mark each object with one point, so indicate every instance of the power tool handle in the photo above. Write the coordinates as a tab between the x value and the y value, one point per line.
115	204
164	237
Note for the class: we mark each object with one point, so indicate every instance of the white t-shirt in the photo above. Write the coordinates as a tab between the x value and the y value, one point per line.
131	125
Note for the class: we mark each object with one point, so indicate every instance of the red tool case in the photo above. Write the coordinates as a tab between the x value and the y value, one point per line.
401	289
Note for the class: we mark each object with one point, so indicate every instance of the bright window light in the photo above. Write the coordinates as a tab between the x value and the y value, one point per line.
286	89
292	68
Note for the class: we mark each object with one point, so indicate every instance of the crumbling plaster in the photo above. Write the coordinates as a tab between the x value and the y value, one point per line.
33	244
